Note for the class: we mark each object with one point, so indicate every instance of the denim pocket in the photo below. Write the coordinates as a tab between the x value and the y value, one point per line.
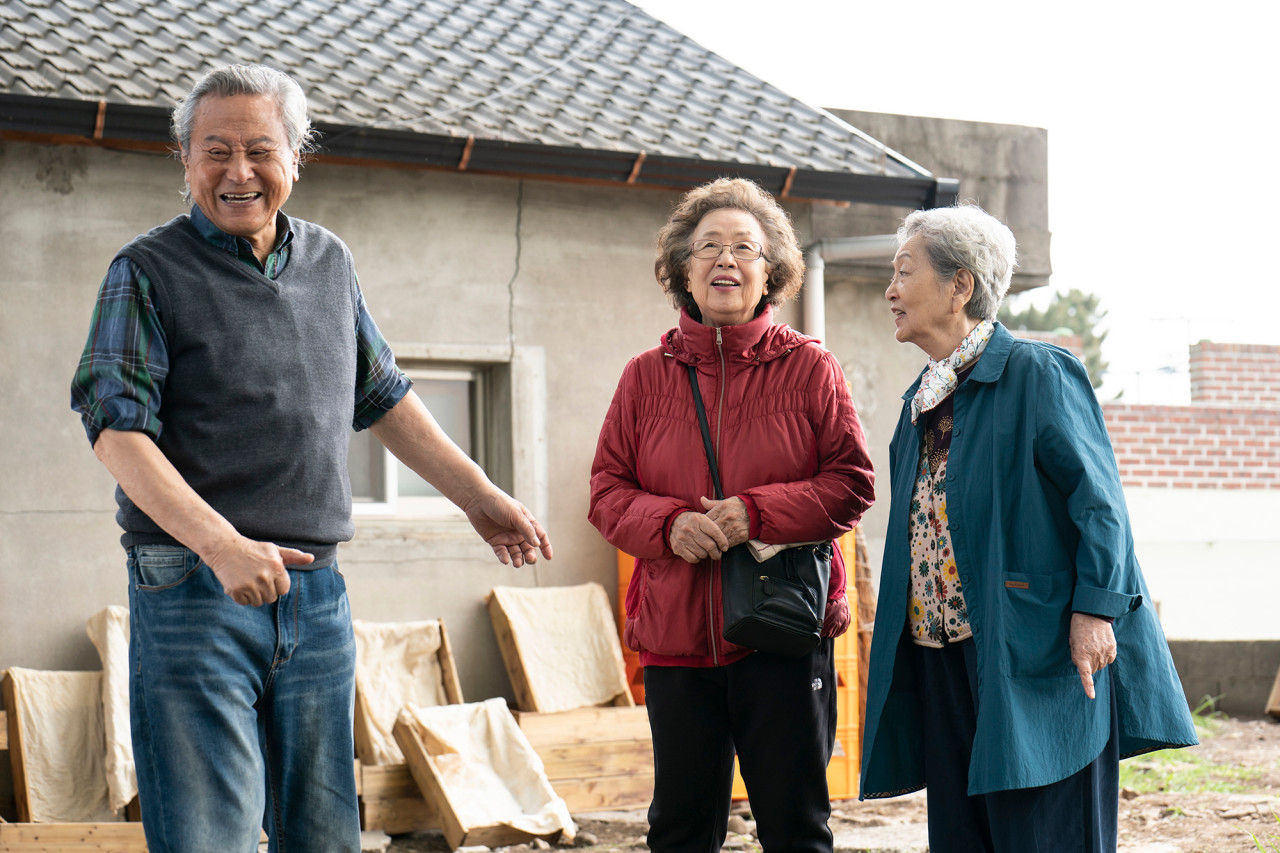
160	567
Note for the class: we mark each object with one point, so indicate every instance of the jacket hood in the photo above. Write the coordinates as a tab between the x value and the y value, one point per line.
760	339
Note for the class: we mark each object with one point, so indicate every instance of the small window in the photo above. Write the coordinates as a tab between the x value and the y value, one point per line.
383	485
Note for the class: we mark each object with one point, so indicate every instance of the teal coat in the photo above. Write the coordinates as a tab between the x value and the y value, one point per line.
1039	528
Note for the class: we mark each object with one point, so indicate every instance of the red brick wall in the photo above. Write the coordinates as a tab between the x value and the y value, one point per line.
1196	447
1228	438
1235	375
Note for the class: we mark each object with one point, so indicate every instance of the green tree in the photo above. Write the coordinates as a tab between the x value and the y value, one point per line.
1074	310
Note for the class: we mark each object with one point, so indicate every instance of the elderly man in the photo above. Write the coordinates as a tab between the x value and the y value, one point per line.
229	356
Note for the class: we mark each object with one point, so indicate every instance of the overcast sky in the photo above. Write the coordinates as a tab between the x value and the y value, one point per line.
1162	121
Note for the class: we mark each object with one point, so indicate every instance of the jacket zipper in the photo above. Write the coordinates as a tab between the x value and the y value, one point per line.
711	609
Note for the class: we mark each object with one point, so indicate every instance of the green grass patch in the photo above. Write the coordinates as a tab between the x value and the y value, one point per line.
1182	770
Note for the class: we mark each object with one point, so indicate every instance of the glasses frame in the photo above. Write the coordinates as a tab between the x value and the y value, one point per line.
732	247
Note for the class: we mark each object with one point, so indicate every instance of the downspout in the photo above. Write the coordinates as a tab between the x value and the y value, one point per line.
877	247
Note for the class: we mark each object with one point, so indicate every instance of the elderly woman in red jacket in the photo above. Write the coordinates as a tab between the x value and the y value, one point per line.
794	467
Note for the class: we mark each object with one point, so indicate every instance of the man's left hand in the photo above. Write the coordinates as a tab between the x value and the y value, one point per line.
1093	646
510	529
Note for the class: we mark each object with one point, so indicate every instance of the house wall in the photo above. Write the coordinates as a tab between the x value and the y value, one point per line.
559	273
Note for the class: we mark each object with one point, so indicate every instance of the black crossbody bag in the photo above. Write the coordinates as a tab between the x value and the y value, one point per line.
776	605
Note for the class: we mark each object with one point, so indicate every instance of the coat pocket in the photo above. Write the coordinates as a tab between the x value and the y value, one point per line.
1037	623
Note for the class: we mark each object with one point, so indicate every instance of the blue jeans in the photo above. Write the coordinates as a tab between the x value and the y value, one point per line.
242	716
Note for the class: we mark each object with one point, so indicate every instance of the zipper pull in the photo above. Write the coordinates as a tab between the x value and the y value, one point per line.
768	584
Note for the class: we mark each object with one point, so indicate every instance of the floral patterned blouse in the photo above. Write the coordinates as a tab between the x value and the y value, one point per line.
936	612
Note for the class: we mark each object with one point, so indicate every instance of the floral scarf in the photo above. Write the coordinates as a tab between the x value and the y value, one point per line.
940	378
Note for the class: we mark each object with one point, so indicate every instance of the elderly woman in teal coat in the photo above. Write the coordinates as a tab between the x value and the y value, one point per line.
1017	656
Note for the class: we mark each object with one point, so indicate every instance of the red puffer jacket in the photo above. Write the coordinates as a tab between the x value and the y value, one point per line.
787	441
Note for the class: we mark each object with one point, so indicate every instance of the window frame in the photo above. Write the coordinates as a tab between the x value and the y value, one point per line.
508	426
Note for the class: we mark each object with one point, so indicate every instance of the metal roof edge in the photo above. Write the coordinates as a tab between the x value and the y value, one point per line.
103	121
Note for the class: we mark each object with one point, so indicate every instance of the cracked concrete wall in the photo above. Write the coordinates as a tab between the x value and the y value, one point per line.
444	259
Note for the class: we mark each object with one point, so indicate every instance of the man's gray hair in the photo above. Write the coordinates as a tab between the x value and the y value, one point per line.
248	80
967	237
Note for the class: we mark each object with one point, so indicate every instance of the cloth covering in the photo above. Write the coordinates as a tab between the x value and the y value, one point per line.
397	664
492	775
109	631
568	644
62	739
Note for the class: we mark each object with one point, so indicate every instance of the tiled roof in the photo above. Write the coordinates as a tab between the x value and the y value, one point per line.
577	88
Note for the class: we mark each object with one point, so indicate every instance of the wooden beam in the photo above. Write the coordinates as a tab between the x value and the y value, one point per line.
116	837
448	670
584	725
1273	701
429	782
17	758
613	758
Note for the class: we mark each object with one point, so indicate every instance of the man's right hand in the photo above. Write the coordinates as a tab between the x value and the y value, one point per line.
254	573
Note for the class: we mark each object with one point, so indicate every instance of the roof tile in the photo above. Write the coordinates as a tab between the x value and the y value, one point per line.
573	73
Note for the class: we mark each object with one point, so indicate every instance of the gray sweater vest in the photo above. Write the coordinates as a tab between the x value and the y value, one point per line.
257	407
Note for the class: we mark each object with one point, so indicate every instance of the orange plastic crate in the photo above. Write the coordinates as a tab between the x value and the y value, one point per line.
842	772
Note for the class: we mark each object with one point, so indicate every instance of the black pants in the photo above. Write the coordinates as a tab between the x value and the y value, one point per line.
779	714
1074	815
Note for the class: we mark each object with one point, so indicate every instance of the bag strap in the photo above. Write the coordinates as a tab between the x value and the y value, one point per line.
706	431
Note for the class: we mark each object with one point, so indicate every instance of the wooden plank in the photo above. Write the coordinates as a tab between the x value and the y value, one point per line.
584	725
429	782
605	793
4	730
448	669
1273	701
398	815
422	766
512	659
17	758
99	836
390	801
611	758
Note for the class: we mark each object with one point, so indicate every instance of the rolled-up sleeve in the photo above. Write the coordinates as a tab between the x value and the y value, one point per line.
379	383
120	379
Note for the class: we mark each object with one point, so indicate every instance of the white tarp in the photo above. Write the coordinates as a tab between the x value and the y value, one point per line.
568	643
109	631
63	745
489	771
397	664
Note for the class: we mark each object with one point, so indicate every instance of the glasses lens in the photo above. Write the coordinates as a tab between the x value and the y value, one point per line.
706	249
745	251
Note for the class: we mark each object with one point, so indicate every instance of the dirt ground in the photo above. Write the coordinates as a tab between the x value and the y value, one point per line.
1204	800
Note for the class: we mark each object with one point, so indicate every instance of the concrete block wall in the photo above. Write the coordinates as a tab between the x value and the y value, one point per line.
1239	673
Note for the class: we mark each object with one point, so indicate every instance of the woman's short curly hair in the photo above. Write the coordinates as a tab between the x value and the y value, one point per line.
967	237
781	246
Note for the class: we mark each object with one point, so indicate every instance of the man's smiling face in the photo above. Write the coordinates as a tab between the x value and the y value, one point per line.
240	167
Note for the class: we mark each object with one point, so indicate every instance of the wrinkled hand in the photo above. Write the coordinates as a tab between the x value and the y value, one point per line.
512	532
1093	646
253	573
695	537
730	515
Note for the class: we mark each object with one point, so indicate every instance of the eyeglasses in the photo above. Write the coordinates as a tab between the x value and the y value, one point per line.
743	250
